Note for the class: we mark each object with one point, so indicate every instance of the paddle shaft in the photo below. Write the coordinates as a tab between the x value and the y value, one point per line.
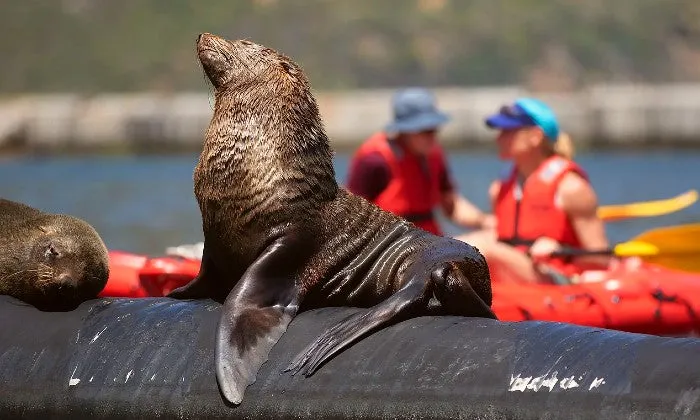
578	252
675	247
565	251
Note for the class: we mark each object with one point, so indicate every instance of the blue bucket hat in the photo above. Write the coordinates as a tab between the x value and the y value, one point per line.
526	112
414	111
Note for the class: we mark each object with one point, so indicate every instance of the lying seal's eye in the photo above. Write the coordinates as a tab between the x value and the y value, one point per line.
51	253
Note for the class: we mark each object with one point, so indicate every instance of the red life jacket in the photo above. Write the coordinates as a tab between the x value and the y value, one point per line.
530	212
414	187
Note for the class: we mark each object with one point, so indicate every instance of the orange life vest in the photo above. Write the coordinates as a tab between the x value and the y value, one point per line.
525	213
414	188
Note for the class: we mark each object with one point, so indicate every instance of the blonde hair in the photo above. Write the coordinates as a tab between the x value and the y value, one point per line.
563	147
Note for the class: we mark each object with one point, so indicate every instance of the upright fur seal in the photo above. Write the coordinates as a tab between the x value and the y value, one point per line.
52	261
280	236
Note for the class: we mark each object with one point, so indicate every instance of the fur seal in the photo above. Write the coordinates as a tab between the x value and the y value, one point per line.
280	235
52	261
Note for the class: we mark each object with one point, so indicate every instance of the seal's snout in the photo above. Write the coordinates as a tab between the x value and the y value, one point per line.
208	47
205	38
215	56
66	280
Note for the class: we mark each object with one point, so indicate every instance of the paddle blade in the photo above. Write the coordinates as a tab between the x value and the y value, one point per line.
648	208
673	239
678	246
690	263
635	248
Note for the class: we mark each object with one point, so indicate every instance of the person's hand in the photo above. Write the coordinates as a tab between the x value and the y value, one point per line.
488	222
543	248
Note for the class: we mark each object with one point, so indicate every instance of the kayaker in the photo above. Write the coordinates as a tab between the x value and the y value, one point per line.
544	205
403	169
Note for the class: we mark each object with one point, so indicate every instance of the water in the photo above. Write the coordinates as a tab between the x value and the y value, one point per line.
145	203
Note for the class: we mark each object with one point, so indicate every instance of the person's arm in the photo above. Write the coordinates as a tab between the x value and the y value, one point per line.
463	213
369	176
490	221
494	190
456	207
580	202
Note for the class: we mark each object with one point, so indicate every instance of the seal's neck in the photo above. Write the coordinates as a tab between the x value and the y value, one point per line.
270	151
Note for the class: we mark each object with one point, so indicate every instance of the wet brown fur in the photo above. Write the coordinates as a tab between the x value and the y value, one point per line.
266	162
280	236
52	261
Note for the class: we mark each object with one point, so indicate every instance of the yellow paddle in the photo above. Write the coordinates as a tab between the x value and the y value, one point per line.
676	247
647	208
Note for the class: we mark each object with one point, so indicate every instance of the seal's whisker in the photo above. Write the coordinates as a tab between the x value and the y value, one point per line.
211	88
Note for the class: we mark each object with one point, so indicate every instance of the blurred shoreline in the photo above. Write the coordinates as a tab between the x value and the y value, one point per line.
607	116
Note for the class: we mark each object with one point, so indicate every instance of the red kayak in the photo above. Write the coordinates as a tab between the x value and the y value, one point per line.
124	270
133	275
634	297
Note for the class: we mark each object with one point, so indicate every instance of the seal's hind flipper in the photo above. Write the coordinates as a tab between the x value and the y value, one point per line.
448	283
454	290
401	305
256	314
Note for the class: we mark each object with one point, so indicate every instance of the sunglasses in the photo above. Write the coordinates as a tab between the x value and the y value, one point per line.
429	132
517	113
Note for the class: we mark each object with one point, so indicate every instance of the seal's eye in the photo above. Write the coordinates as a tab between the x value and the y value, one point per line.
288	68
51	253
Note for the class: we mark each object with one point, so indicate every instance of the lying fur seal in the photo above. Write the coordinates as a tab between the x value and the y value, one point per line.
52	261
280	236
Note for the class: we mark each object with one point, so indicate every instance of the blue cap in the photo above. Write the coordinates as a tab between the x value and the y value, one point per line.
526	112
415	111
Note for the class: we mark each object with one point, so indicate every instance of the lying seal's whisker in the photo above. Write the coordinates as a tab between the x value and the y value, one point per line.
45	279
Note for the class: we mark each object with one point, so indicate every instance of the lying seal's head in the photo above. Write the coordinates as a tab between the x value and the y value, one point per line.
57	263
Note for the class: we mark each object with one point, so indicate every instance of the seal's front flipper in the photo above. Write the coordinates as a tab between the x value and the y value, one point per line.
243	343
256	314
401	305
198	287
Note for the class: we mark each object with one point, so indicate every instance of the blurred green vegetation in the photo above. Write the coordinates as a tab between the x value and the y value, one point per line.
129	45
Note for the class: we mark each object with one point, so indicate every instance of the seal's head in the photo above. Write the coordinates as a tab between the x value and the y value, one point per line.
266	127
65	263
239	62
